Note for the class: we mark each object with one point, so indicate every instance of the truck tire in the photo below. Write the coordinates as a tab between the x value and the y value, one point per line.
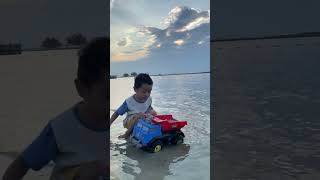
156	146
177	140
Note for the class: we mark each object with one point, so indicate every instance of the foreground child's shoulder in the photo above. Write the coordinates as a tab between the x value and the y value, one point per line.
63	118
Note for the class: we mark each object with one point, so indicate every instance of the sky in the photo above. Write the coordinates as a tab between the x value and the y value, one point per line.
30	21
248	18
159	37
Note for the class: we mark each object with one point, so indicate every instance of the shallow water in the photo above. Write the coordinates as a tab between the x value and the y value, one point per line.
267	116
186	97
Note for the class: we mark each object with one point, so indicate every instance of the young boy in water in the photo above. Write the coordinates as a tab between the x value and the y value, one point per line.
77	139
136	105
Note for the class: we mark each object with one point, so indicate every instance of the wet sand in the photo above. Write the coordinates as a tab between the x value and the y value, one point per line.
266	101
35	87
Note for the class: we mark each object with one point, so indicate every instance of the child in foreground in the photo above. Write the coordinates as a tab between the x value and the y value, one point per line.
77	139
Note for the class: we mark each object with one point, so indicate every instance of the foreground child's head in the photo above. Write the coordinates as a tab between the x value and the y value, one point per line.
142	86
92	79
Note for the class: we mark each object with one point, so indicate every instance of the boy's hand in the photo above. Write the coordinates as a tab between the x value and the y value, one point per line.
113	118
153	112
140	115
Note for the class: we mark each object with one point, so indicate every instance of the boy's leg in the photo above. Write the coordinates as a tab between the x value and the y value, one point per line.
130	125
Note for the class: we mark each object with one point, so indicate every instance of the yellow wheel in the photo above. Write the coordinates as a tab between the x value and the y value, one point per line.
157	148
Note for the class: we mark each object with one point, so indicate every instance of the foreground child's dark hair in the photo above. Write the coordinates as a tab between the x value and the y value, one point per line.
93	60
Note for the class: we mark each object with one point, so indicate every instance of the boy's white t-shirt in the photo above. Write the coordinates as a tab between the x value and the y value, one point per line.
68	142
131	106
137	107
77	144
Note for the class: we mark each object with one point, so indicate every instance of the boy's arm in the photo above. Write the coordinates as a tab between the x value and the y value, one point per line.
120	111
152	111
113	117
38	154
16	170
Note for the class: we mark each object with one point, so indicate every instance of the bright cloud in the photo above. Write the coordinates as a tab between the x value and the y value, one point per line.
179	42
129	56
196	23
184	26
111	3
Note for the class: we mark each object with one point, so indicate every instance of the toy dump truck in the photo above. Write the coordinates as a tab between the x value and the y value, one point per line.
151	133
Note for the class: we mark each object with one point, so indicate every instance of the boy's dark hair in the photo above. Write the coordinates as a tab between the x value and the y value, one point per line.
141	79
93	60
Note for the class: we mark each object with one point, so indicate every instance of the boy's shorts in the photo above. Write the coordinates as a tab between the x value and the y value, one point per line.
127	119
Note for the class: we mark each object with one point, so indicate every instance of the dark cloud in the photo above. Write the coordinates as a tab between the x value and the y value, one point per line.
185	26
122	42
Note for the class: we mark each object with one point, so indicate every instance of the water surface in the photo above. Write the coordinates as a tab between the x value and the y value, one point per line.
186	97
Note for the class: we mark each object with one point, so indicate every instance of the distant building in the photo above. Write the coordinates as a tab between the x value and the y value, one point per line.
7	49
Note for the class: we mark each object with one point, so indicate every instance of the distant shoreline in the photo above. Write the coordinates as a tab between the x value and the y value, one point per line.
285	36
173	74
50	49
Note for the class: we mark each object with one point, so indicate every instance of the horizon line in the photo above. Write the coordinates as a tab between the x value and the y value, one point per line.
281	36
170	74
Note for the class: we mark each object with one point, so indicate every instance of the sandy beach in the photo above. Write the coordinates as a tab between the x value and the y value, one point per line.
35	87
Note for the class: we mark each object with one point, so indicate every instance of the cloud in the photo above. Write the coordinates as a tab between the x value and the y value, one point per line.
111	3
181	16
185	26
124	41
129	56
179	42
194	24
133	46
